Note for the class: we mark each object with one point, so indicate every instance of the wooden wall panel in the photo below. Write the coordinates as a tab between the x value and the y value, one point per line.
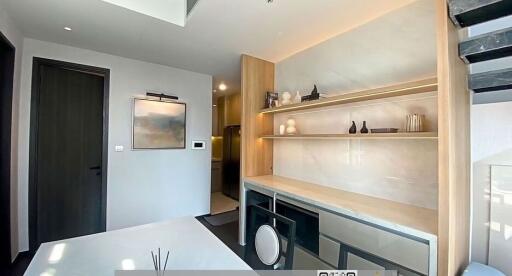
227	113
454	149
233	109
257	79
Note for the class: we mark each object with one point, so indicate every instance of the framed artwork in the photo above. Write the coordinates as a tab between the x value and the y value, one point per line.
159	124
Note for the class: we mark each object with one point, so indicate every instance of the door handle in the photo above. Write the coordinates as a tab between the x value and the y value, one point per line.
96	168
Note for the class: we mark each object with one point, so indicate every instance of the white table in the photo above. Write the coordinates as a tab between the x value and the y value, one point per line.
192	247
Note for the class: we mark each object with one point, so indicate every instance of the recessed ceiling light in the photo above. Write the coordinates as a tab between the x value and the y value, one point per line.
214	90
67	28
222	87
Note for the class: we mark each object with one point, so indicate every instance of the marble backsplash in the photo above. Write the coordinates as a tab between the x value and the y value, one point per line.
398	170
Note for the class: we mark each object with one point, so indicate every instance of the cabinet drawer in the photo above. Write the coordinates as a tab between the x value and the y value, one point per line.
389	246
329	250
357	263
296	203
303	260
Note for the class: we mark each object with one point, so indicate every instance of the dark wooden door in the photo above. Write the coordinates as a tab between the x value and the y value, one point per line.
68	154
6	85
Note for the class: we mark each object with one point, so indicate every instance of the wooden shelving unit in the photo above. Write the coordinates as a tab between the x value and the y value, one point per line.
453	145
371	136
402	89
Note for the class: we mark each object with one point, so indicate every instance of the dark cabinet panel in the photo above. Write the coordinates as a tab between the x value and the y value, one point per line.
231	162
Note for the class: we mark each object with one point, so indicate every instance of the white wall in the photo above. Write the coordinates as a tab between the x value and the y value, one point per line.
491	138
143	186
397	47
10	31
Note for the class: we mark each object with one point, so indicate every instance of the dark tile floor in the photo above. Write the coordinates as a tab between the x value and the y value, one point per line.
21	263
228	234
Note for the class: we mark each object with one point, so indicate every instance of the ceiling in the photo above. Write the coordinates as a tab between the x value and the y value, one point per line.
216	34
172	11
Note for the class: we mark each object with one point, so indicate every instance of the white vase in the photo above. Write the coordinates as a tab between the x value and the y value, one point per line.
291	130
286	98
282	129
298	98
290	127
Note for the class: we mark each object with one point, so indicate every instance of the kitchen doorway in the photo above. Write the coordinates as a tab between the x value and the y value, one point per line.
226	153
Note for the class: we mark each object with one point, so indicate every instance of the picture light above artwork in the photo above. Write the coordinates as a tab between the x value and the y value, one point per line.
161	96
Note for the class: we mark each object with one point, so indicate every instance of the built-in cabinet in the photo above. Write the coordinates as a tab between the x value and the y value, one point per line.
451	137
351	231
380	246
216	176
227	111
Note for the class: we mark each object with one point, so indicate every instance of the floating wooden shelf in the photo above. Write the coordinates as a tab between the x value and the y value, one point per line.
409	88
399	135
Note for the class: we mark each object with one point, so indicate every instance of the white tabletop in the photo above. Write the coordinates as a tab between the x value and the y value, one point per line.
191	246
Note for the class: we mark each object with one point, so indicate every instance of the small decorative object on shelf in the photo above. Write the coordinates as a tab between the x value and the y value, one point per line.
364	129
414	123
298	98
353	128
286	98
270	99
313	96
315	90
384	130
282	129
276	103
157	263
291	129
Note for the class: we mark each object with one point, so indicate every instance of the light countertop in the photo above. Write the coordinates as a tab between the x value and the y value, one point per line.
191	246
409	219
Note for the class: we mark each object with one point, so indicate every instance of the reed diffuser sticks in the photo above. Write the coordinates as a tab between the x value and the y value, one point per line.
157	262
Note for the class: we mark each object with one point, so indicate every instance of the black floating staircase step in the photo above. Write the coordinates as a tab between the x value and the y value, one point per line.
488	46
491	81
465	13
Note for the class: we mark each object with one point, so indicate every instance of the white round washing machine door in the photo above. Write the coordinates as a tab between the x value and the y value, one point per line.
268	244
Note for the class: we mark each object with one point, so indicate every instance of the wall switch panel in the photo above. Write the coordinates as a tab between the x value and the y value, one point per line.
199	145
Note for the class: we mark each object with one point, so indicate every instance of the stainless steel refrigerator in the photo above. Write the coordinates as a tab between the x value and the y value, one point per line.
231	162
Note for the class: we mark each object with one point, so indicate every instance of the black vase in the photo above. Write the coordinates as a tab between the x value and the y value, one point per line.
353	128
364	129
